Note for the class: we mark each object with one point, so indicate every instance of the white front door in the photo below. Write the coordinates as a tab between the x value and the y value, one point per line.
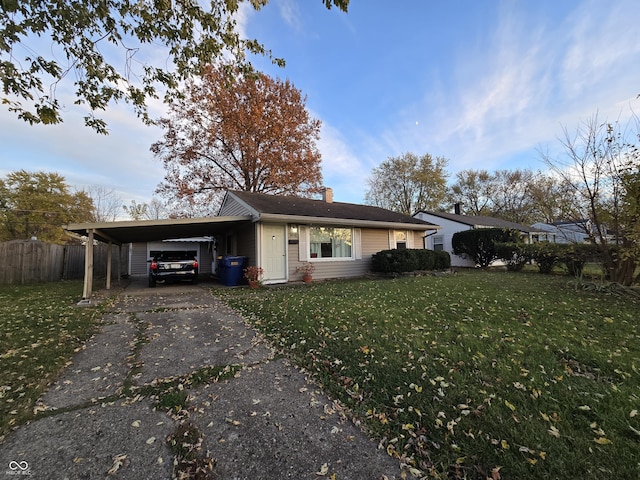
274	252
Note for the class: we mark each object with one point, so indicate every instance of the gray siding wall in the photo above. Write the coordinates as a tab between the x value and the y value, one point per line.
233	208
418	239
138	264
245	238
206	257
373	240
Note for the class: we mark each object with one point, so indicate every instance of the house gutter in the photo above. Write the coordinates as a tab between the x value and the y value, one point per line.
304	220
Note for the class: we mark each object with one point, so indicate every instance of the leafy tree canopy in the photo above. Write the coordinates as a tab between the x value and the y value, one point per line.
38	204
246	132
44	43
409	183
520	196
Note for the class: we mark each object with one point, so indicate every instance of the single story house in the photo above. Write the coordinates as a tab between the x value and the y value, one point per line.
277	233
452	223
338	238
564	232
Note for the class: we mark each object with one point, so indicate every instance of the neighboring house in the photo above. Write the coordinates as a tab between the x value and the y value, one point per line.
564	232
453	223
338	238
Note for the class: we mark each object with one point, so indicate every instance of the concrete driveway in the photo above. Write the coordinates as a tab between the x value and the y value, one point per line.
176	376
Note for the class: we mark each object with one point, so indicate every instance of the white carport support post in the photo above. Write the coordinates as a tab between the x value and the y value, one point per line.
119	264
88	268
109	266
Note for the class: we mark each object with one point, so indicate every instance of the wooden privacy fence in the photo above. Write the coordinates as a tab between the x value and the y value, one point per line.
30	261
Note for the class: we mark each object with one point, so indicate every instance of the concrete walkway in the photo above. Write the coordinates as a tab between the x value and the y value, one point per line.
175	363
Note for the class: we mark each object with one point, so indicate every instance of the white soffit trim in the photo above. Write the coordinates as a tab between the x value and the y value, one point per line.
274	217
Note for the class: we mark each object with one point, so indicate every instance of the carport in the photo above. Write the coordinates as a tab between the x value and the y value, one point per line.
121	233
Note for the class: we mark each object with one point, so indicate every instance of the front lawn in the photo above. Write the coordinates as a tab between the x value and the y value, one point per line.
41	327
472	375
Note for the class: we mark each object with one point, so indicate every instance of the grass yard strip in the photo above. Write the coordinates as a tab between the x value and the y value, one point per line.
41	328
472	375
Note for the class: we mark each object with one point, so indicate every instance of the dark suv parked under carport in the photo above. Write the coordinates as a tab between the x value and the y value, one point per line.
173	265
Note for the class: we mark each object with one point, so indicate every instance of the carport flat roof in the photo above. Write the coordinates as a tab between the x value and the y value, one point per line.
150	230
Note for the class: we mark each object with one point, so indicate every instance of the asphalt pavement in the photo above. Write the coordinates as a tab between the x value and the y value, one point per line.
176	383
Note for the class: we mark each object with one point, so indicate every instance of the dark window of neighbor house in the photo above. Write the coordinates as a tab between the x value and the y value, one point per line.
330	242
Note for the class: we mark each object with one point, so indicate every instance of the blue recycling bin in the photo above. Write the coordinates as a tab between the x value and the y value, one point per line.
230	270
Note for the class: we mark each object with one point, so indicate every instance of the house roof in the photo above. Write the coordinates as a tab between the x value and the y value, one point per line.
149	230
297	209
480	221
261	207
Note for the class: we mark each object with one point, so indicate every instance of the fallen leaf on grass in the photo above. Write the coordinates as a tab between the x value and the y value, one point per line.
415	472
554	431
324	469
602	441
150	440
135	423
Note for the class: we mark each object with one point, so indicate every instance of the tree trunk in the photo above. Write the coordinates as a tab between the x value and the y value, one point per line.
620	266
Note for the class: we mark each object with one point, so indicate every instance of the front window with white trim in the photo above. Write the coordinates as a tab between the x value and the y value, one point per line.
330	242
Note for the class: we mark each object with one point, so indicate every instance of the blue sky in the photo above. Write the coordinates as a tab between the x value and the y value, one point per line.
485	84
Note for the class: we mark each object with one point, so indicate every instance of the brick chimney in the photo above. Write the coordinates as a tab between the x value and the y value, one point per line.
457	208
327	194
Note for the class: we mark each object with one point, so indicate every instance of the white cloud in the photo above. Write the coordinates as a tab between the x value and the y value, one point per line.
290	12
600	41
342	170
242	17
516	89
120	160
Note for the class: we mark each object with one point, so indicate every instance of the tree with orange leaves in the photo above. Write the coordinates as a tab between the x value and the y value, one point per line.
238	132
